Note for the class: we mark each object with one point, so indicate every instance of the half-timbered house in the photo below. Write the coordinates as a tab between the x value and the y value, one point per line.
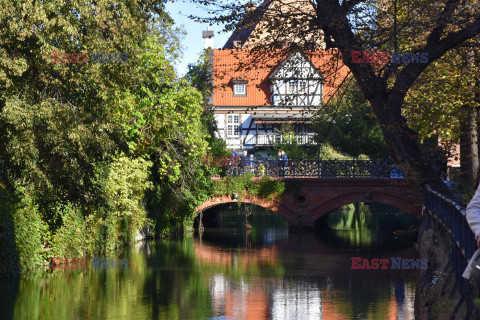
253	105
254	101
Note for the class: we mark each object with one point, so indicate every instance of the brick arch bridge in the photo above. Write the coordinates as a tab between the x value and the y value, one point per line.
315	197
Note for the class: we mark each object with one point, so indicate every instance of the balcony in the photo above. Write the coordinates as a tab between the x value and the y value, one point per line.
270	139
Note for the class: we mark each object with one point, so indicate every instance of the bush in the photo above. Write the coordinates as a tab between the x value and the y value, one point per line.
9	260
29	230
125	192
71	239
243	184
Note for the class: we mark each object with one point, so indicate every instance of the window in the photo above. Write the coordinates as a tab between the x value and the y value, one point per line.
302	87
240	89
292	86
233	124
295	86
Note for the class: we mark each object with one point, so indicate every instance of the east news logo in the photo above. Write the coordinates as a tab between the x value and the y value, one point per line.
384	57
96	263
392	263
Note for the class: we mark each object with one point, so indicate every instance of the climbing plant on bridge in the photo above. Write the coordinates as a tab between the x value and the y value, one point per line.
243	185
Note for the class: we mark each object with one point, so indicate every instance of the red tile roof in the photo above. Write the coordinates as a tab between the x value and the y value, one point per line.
234	64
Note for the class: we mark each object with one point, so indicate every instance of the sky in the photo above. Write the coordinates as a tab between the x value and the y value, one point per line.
193	42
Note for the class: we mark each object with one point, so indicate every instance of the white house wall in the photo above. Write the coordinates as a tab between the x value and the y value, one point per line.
220	121
246	121
250	140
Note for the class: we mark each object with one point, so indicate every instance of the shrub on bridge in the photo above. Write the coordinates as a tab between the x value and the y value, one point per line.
235	184
268	188
244	185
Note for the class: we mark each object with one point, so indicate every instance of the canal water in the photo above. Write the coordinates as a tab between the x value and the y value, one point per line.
255	269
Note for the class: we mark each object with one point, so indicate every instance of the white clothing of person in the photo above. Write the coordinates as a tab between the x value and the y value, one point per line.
473	219
473	213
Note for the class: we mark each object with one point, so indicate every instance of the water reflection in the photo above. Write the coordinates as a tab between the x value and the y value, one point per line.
368	228
261	273
314	282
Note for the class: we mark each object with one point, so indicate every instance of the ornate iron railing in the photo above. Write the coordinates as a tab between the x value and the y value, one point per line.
316	168
452	217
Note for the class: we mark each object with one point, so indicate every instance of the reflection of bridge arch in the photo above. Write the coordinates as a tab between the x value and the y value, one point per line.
314	197
212	255
374	197
258	297
272	205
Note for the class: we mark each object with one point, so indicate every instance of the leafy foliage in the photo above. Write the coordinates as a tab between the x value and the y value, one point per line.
349	125
290	144
243	185
81	143
29	230
200	74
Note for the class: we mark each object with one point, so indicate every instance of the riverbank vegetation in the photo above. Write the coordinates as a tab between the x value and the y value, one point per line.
87	148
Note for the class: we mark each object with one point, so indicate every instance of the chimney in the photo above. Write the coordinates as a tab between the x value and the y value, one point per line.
208	38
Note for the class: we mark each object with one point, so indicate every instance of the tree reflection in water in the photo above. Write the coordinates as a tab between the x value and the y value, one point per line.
262	273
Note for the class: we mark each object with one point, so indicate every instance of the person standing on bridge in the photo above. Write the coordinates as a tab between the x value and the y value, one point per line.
283	162
243	162
234	162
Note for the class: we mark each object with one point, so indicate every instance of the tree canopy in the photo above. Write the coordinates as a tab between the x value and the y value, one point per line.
348	124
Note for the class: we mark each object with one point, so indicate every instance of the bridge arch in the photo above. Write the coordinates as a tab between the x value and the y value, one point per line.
375	197
272	204
314	197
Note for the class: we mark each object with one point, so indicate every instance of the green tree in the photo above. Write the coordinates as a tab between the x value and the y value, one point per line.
65	123
54	125
290	145
199	74
162	119
349	125
447	106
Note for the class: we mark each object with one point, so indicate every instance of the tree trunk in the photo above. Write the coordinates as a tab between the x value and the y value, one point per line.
404	146
469	147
